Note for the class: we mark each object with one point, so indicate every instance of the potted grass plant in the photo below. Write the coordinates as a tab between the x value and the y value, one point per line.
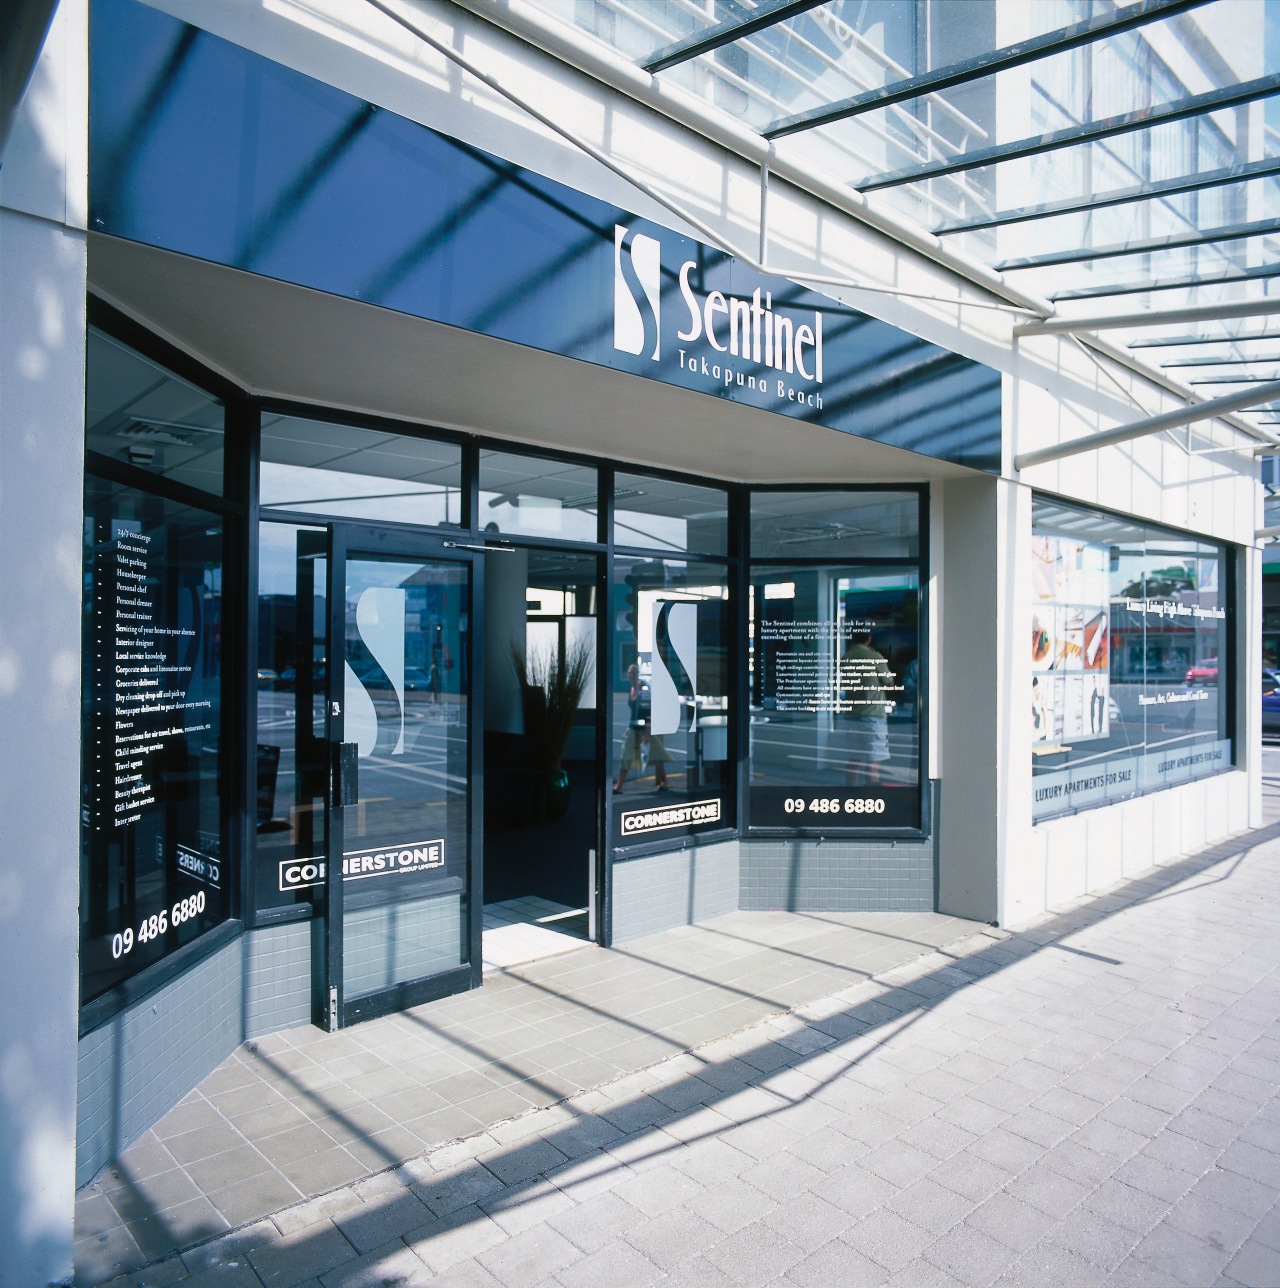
552	684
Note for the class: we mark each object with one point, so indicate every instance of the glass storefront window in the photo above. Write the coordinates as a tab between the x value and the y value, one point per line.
536	496
1130	672
292	752
153	871
347	472
835	660
835	697
142	415
666	515
670	684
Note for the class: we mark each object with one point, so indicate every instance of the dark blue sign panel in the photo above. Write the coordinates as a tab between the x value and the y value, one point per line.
201	147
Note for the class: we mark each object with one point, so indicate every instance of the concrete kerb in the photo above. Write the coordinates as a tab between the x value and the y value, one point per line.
745	1077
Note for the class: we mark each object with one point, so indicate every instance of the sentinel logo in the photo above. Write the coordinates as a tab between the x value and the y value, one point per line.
637	293
675	665
740	340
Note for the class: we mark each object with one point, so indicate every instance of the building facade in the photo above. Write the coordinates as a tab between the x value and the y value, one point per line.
417	498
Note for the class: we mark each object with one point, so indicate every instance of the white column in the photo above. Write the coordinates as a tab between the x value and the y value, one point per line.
42	320
980	754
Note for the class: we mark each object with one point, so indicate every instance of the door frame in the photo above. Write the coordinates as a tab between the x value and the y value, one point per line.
331	1009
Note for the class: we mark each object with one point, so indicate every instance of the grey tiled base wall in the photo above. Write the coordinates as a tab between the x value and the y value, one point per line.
661	891
388	944
138	1065
665	890
810	875
837	876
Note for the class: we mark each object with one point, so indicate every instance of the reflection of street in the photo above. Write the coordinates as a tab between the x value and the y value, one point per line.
790	751
402	797
1183	710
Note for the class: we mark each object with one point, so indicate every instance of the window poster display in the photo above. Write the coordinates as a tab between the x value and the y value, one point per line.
1128	649
672	768
1069	638
154	875
835	698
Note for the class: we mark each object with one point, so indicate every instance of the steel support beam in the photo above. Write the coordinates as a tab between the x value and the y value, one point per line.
971	69
1073	135
1152	317
725	33
1114	250
1152	425
1242	173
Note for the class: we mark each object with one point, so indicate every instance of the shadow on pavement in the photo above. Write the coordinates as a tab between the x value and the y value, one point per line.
752	1077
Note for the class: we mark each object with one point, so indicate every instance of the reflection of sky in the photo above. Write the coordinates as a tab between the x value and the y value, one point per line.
365	573
357	496
278	558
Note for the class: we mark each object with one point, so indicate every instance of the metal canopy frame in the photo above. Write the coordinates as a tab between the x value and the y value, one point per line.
1174	241
1182	341
1151	317
1246	172
1219	362
557	29
1073	135
1152	425
1260	273
971	69
768	14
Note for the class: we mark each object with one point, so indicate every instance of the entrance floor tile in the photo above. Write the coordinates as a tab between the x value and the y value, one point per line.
520	931
312	1111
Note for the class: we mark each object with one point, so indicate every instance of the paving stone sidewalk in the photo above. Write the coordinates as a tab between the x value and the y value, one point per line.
301	1113
1092	1100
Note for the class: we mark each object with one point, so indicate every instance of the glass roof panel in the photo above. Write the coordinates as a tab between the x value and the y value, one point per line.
1165	132
830	52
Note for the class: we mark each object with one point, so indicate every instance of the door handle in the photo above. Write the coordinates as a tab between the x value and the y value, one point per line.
346	774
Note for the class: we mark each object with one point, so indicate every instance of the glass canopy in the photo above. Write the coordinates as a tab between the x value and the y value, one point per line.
1120	161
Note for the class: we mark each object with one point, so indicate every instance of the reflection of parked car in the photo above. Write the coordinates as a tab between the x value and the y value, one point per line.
1205	671
287	680
1271	702
416	680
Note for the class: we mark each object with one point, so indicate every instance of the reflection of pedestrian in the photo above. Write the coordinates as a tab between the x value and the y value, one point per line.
911	686
866	677
1095	708
638	746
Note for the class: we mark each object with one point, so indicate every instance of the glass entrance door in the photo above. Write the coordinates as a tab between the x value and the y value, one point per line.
402	926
